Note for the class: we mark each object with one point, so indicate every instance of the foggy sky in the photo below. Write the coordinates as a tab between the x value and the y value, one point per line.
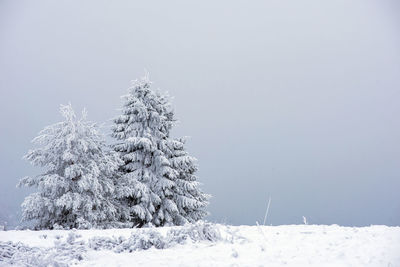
297	100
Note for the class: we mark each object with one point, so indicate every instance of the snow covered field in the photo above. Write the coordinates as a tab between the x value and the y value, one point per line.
206	245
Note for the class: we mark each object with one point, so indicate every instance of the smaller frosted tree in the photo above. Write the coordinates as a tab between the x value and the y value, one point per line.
75	191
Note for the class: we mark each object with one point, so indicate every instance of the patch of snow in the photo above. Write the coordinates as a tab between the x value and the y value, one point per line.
286	245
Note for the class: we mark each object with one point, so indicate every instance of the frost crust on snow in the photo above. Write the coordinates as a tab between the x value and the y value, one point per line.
61	254
143	239
72	249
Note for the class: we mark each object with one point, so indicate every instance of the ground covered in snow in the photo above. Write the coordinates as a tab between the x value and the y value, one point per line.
205	244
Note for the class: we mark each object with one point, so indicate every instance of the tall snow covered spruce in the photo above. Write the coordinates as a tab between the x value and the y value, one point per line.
157	184
76	189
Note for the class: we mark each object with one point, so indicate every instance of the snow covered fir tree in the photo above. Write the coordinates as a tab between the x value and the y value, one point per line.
76	189
157	183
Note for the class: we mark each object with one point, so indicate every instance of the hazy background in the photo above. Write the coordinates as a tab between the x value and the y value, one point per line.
297	100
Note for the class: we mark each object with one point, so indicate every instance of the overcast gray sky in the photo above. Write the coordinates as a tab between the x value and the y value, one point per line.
297	100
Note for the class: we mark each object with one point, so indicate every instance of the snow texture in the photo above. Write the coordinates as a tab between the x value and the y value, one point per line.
157	181
205	244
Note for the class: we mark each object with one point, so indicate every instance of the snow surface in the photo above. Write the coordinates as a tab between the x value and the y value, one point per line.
286	245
